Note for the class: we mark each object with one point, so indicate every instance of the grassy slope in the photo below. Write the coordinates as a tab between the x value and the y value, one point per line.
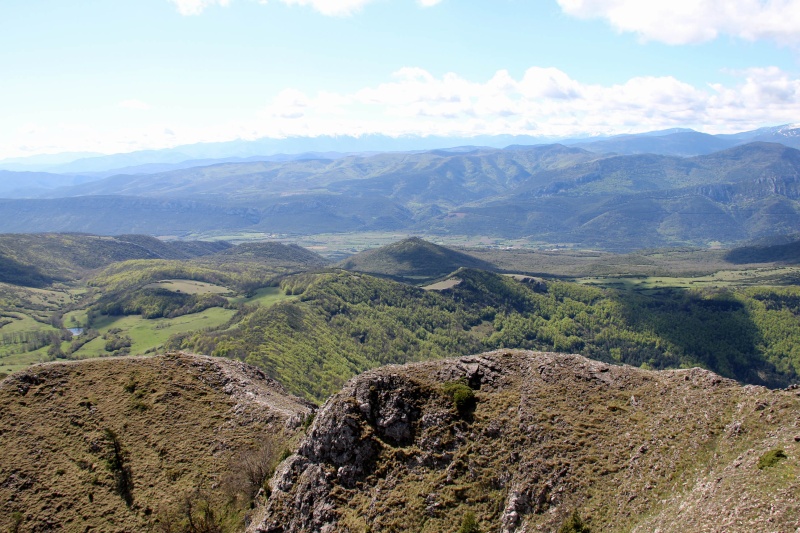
181	421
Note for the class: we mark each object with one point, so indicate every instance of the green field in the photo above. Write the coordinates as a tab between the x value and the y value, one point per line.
188	286
148	335
265	296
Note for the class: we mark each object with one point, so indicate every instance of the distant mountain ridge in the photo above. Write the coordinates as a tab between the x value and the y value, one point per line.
675	141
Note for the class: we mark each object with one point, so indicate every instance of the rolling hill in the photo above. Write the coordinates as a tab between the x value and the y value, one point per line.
126	444
37	259
275	252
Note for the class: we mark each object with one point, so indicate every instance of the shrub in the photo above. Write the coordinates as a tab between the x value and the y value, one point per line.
469	524
463	397
117	464
16	521
574	524
249	471
771	458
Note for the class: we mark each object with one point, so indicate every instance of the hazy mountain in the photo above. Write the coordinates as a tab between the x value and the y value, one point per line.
675	141
787	134
42	162
684	143
14	184
259	148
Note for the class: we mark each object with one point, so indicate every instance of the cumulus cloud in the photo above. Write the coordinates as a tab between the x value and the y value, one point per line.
545	101
695	21
195	7
331	7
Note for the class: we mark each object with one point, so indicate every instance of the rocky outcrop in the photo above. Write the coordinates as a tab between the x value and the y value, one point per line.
549	435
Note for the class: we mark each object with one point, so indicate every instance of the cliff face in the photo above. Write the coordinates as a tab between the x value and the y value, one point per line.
125	444
547	435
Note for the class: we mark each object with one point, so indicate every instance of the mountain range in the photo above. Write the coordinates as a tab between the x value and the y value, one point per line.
676	141
547	193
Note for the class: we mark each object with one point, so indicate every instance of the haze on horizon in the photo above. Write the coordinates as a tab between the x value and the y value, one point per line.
117	77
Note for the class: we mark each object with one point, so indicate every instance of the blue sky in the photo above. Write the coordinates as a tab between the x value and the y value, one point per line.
115	76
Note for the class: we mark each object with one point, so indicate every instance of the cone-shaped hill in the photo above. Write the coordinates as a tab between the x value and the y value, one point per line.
412	258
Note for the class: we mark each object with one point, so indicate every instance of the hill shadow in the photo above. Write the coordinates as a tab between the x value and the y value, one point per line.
714	331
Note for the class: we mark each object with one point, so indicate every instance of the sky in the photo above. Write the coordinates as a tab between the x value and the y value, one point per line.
111	76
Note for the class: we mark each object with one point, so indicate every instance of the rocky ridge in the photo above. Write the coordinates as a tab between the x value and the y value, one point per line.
549	435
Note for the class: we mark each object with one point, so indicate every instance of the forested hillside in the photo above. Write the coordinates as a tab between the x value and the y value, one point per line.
344	323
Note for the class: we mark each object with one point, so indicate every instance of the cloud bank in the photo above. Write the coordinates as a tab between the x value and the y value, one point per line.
695	21
544	101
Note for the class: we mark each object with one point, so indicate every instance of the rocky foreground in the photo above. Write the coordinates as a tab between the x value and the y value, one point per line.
545	436
522	441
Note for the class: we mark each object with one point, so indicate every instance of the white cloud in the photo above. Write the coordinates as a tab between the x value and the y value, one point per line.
548	101
695	21
331	7
195	7
134	104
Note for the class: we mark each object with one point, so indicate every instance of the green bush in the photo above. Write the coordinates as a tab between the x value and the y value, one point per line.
771	458
463	397
469	524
